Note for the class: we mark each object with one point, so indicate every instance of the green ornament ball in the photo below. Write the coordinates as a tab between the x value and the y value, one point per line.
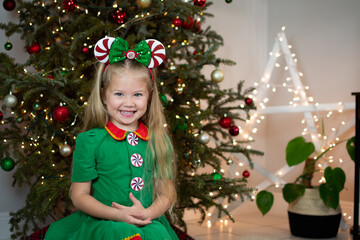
163	99
36	106
8	46
7	164
216	176
18	119
228	1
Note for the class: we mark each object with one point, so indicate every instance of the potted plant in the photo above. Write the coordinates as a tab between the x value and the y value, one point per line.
313	211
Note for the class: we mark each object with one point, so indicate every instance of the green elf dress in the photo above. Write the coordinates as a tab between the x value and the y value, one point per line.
116	163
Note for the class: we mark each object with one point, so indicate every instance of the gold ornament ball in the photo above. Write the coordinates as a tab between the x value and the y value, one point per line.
143	3
217	75
65	150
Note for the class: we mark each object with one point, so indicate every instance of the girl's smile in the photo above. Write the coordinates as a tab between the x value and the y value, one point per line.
126	99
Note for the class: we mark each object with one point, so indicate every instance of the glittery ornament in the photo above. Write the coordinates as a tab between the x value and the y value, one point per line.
177	22
61	113
225	122
69	5
217	75
163	99
246	174
34	48
7	164
204	138
65	150
143	3
234	131
197	26
9	5
8	46
200	3
119	17
216	176
1	115
248	101
10	101
188	23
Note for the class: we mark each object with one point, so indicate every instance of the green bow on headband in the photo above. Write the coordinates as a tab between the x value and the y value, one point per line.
120	50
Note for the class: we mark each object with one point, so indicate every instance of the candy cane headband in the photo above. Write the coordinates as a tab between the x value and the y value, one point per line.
150	52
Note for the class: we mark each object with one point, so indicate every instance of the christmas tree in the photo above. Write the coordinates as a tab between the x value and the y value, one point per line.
44	99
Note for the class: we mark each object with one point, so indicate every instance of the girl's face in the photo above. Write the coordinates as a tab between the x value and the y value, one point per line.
126	98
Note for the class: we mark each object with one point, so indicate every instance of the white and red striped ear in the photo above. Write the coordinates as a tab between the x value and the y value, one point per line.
102	49
157	52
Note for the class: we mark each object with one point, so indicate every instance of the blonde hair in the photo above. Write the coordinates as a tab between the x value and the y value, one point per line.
160	145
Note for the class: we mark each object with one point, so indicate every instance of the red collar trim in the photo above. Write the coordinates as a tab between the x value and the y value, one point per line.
119	134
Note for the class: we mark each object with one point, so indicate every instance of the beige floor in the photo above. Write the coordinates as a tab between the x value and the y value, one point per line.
249	225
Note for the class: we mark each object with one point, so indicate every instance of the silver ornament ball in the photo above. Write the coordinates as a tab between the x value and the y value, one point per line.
204	138
65	150
217	75
10	100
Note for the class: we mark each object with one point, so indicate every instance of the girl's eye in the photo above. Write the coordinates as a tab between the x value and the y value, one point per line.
118	94
138	94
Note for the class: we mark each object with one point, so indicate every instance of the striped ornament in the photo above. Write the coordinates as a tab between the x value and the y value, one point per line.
102	49
157	52
137	184
136	160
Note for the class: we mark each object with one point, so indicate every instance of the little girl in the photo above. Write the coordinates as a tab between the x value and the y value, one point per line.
122	180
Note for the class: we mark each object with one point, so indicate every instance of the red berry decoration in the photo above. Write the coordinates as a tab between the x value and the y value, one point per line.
188	24
34	48
9	5
119	17
246	174
200	3
69	5
1	115
61	113
85	50
225	122
248	101
197	26
177	22
234	131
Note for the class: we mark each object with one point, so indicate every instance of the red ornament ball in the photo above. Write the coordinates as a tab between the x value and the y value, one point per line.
200	3
34	48
246	174
85	50
234	131
188	24
197	26
119	17
9	5
61	113
225	122
1	115
248	101
176	22
69	5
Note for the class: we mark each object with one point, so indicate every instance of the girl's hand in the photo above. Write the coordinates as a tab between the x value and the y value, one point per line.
133	215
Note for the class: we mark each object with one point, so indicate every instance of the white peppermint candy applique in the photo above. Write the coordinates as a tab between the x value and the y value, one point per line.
136	160
132	139
137	184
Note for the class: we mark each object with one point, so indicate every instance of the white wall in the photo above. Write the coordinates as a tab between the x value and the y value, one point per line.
325	36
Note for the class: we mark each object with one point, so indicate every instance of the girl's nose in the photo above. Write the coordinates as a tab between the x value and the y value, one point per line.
128	102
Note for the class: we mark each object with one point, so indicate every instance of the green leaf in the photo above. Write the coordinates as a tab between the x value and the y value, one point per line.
329	195
298	150
264	201
335	178
292	191
350	146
